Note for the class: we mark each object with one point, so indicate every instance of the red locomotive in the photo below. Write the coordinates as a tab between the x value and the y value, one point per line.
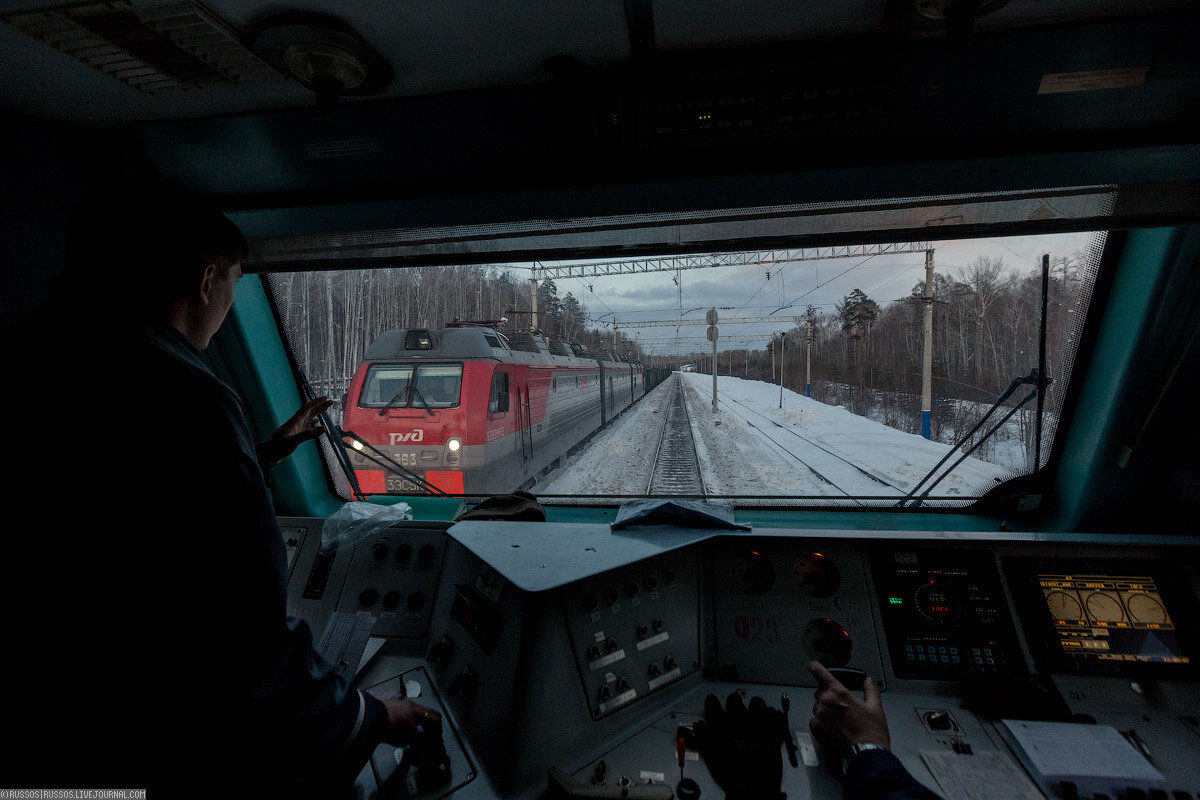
468	410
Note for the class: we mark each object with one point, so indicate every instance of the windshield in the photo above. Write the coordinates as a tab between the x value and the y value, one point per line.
391	386
838	379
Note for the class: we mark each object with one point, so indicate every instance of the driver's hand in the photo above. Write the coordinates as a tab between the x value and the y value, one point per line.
418	728
840	719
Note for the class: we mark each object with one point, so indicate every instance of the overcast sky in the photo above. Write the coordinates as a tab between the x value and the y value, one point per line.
791	288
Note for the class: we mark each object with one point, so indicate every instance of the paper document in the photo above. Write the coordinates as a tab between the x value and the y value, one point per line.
345	641
982	775
1096	758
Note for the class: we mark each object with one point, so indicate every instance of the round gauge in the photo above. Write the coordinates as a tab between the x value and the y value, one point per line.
1104	607
817	575
1065	606
827	642
937	603
755	572
1145	608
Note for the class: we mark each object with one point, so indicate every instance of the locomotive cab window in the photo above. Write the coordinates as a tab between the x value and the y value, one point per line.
498	397
386	385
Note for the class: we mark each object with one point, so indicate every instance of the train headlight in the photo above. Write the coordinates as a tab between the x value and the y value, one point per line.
453	445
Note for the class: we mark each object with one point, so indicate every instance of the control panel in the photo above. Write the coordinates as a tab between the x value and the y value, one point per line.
393	576
944	613
565	657
780	603
635	630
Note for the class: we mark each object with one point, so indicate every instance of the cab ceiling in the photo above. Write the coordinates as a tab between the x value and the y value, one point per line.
502	112
460	45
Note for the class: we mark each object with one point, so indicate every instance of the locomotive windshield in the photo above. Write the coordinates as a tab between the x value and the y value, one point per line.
392	386
838	376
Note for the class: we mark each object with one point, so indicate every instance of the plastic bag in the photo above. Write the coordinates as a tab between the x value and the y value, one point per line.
357	520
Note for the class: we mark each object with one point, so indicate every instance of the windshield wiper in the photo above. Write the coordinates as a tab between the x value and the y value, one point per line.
390	403
421	397
1039	384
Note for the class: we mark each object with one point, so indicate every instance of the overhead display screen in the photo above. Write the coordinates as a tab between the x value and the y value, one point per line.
1110	617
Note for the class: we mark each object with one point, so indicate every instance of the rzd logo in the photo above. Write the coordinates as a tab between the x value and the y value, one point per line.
400	438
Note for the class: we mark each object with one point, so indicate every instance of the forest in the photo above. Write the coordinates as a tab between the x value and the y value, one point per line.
864	356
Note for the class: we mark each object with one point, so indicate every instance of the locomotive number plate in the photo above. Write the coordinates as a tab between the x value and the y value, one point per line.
400	485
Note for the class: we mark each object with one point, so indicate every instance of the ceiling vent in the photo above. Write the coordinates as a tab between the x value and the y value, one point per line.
150	45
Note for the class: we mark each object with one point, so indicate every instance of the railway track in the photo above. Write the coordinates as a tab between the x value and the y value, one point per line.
821	460
676	467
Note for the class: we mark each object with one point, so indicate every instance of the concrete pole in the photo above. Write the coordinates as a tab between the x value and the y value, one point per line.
808	358
533	323
927	356
782	357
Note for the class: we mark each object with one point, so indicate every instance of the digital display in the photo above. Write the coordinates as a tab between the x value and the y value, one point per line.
1111	618
944	613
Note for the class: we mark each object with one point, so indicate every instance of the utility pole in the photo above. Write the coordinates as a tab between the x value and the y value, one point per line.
711	318
808	356
533	303
927	356
782	355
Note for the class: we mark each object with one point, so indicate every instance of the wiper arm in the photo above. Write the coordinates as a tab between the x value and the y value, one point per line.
381	459
391	403
1039	385
421	397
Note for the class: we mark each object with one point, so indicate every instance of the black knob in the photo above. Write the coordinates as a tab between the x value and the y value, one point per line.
668	576
611	646
416	601
655	670
391	599
367	597
658	625
631	589
379	549
604	693
425	553
669	663
590	604
593	652
622	684
939	721
611	596
441	651
403	552
651	583
642	630
464	683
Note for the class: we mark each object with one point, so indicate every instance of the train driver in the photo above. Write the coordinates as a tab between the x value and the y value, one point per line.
159	654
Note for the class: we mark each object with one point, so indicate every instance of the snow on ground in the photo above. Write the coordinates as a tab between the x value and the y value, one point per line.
753	448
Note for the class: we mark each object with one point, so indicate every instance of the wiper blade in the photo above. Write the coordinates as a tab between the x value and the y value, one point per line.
391	403
1039	384
421	397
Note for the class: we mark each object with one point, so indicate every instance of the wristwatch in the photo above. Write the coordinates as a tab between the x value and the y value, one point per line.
854	750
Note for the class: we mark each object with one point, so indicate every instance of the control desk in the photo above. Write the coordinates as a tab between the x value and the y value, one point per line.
564	657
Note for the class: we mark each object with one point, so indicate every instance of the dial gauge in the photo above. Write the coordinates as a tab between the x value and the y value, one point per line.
1145	608
828	642
1065	606
937	603
816	574
1104	607
755	572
